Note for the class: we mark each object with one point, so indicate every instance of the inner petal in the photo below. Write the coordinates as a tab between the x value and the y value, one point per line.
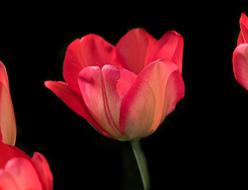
133	49
90	50
23	173
102	91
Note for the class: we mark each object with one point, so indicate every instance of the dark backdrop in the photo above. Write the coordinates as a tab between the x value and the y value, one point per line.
203	143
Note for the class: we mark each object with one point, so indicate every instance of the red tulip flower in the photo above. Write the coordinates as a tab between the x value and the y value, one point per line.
240	54
19	172
124	91
7	116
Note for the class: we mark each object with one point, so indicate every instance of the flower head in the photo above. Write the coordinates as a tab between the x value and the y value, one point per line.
124	91
19	172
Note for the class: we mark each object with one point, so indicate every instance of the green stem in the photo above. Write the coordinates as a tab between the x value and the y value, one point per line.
141	162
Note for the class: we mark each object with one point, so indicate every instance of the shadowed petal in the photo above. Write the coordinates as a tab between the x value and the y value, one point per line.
8	152
133	48
170	48
91	50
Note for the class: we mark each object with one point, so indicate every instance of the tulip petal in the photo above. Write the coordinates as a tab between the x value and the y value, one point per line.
148	100
240	64
116	82
174	92
7	182
23	173
7	116
8	152
74	101
3	75
44	171
170	48
134	48
93	92
91	50
102	91
243	35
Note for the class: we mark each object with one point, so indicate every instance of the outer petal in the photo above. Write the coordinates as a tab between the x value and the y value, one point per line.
91	50
148	101
134	48
7	116
7	182
44	171
74	101
103	91
170	48
240	65
174	92
8	152
23	173
243	35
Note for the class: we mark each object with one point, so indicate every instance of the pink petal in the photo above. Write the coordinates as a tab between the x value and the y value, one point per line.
240	65
102	91
23	173
148	100
171	86
7	116
74	101
134	48
170	48
174	92
7	182
91	50
43	170
125	82
3	75
8	152
243	35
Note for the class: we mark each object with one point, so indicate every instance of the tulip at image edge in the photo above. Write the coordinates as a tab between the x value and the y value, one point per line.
20	172
240	54
7	115
17	170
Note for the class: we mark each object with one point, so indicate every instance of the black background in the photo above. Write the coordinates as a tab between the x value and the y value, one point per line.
203	143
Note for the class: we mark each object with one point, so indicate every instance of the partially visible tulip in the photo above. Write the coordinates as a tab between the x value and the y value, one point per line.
19	172
240	54
124	91
7	116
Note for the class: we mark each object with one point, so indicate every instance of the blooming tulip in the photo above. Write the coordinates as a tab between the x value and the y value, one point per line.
19	172
7	116
240	54
124	91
